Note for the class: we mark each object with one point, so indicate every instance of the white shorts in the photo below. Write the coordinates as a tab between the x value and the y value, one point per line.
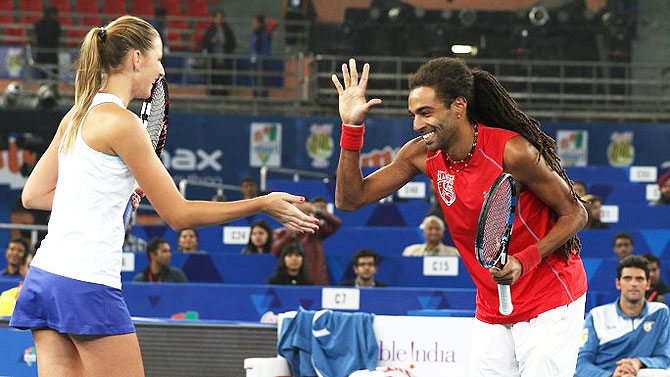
546	345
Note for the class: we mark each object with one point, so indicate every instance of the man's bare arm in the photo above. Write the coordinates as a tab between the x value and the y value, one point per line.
352	191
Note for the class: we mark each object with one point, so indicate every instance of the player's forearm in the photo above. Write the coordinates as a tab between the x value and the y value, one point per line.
566	227
349	187
194	213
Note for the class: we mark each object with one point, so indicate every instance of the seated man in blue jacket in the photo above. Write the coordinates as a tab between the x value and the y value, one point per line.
629	334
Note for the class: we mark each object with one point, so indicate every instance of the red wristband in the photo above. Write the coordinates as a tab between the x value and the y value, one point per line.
529	258
352	137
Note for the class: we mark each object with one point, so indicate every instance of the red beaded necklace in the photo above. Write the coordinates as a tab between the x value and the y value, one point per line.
467	158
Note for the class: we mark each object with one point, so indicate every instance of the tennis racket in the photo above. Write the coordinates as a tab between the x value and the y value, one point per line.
154	116
494	229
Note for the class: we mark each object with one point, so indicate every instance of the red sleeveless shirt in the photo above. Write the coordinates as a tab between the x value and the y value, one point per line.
553	282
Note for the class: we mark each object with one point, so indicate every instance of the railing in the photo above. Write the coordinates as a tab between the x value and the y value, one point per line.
559	90
34	229
219	187
299	84
295	173
291	34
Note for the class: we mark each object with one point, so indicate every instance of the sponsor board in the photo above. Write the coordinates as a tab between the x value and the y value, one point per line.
265	144
573	147
426	346
319	145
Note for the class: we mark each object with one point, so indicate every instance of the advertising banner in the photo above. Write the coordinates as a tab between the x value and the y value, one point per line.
573	147
265	144
426	346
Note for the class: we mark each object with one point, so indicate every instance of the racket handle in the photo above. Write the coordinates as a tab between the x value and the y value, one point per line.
505	298
128	213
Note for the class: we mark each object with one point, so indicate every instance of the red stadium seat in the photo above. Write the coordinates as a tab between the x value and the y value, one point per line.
175	28
199	9
72	37
32	6
173	7
89	9
12	35
113	9
64	11
175	31
142	8
6	9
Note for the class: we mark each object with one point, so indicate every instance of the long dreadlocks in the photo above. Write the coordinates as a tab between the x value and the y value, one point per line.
490	104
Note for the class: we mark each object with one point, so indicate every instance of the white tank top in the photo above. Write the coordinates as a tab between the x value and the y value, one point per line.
85	233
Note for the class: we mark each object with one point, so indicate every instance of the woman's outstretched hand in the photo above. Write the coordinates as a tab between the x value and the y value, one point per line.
280	206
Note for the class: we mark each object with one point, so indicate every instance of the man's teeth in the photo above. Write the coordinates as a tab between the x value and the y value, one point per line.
427	135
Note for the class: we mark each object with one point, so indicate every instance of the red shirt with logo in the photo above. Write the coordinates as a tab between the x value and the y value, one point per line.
552	283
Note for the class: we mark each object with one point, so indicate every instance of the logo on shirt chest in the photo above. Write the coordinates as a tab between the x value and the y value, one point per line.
647	325
445	185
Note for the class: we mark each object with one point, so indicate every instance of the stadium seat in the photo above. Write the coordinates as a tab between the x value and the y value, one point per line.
11	35
89	10
113	9
34	7
142	8
6	9
175	27
72	36
198	9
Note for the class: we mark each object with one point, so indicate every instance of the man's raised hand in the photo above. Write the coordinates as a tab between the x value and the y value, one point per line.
352	105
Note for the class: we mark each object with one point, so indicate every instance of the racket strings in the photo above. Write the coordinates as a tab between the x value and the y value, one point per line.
156	116
496	223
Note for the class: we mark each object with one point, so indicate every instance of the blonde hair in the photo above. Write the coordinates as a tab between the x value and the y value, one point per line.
102	53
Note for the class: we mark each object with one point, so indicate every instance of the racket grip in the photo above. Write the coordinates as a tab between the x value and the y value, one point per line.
505	298
128	213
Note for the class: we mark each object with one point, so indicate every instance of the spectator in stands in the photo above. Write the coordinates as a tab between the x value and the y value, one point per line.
657	290
664	188
292	269
218	42
249	187
580	188
15	255
365	264
219	197
623	245
187	241
260	49
320	203
433	230
592	205
47	40
629	334
8	297
159	270
160	24
312	243
260	239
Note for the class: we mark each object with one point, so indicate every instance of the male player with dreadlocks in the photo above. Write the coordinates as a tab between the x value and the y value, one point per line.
471	131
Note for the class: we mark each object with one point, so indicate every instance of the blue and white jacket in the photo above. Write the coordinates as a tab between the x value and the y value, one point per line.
609	335
328	343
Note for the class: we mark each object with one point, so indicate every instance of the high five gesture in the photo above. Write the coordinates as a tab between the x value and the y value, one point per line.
352	104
